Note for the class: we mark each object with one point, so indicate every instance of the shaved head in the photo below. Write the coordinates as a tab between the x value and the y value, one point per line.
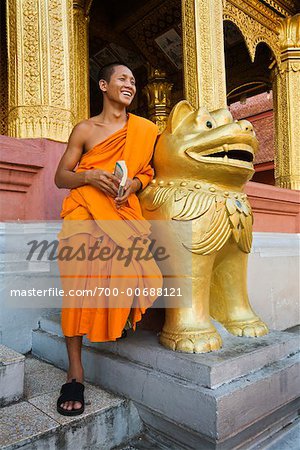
106	71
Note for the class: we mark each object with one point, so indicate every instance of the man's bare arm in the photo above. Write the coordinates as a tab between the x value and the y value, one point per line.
65	176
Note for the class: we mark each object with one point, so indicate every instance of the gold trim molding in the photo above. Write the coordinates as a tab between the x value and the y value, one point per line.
254	28
285	7
259	11
3	74
81	56
286	95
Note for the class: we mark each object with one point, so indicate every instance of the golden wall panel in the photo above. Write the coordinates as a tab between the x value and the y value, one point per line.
254	26
286	95
40	68
3	74
266	16
203	53
81	52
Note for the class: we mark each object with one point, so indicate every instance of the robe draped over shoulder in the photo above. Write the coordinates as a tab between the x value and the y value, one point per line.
91	217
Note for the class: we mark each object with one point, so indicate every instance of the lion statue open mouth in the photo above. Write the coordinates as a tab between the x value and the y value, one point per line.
202	161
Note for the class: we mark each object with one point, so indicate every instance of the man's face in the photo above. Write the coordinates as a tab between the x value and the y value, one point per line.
121	86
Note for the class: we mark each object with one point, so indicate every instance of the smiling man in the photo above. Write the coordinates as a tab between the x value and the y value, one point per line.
93	210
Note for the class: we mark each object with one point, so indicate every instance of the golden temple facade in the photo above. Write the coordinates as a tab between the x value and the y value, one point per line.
211	53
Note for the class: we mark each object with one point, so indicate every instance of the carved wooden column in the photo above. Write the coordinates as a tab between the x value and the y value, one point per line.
81	53
3	72
286	95
203	53
40	69
158	92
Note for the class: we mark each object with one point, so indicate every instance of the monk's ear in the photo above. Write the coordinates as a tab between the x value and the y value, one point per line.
103	85
180	111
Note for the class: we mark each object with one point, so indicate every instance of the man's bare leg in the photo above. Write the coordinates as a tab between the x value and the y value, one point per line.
74	345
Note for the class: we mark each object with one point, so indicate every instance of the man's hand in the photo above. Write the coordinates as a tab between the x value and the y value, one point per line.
103	180
130	187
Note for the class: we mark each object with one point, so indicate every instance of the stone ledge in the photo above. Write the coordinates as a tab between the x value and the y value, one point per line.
9	356
108	420
215	415
207	370
11	375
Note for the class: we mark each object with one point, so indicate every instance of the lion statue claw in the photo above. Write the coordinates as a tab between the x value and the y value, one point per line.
192	343
202	161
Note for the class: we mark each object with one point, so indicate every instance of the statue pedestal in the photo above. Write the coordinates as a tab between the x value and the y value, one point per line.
213	400
244	392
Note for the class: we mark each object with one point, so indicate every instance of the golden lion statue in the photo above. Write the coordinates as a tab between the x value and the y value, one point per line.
202	161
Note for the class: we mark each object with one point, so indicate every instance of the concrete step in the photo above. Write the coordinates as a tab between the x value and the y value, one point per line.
11	375
238	357
245	392
151	440
108	420
286	439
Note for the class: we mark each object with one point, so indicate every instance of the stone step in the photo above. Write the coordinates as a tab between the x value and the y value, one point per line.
150	440
108	420
11	375
239	357
286	439
245	392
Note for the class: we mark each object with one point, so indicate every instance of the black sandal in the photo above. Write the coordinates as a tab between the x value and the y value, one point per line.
71	392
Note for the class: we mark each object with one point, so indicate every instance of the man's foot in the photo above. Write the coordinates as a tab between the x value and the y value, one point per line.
73	391
78	375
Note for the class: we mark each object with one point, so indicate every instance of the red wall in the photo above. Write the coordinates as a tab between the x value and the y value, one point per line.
28	192
27	189
275	209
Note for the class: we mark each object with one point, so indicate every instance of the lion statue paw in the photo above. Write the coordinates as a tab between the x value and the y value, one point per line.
202	342
247	328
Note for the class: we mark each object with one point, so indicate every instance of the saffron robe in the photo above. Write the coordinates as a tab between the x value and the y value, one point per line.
88	215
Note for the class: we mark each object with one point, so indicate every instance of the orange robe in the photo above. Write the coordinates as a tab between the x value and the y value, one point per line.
89	214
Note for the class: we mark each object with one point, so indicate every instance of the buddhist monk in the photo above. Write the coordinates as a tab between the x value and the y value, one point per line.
94	215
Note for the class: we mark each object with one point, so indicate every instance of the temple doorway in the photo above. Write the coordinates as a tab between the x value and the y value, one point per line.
146	36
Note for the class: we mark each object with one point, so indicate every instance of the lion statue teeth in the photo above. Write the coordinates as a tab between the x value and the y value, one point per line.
202	161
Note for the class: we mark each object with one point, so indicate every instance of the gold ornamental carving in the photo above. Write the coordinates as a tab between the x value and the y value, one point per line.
254	26
81	58
286	95
158	92
203	53
268	14
40	68
3	74
289	33
285	7
202	161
